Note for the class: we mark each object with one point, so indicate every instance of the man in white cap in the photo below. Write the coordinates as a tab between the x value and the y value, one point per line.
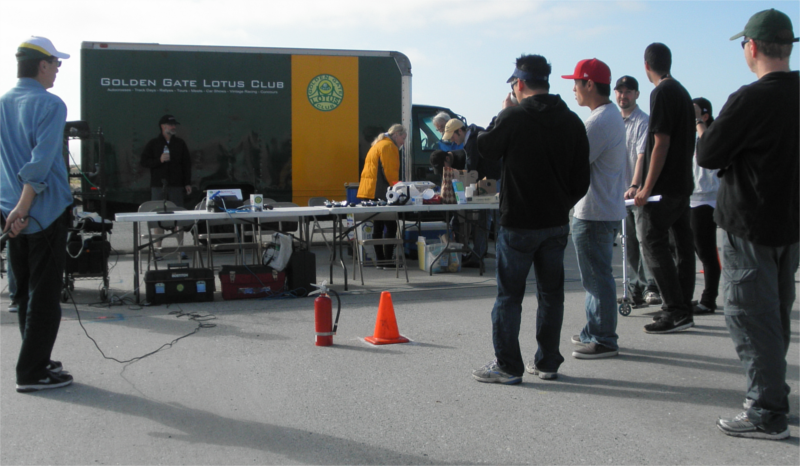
34	201
755	144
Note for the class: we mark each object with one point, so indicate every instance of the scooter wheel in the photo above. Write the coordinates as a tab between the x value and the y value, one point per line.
625	309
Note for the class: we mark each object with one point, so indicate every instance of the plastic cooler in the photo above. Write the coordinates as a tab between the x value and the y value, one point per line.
352	192
430	230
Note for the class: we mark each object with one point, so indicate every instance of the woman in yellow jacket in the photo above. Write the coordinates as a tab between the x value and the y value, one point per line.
381	171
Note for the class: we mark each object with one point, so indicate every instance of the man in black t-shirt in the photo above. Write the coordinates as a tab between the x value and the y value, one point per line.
668	172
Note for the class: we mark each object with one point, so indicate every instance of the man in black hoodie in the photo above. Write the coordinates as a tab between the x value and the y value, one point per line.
545	172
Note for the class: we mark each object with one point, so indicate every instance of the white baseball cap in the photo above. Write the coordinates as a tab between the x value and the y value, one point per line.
38	48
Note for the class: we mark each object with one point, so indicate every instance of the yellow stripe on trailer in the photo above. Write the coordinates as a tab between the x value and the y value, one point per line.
325	128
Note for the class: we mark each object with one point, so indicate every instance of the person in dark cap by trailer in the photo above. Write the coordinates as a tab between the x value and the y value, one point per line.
35	198
167	156
755	145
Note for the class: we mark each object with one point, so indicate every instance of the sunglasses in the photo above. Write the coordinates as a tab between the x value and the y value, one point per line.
514	84
744	42
57	62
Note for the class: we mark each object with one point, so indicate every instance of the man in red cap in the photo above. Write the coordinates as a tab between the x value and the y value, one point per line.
755	142
667	171
596	218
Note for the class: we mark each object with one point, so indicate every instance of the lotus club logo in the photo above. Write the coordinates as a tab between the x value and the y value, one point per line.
325	92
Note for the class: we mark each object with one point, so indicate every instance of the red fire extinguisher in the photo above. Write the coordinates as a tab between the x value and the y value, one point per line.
323	315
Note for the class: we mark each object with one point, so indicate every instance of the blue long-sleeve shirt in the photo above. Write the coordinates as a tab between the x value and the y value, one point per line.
31	144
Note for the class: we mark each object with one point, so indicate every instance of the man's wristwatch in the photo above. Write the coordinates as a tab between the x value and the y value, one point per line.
635	186
699	121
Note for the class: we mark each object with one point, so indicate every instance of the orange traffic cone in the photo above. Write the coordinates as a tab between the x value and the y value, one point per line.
386	332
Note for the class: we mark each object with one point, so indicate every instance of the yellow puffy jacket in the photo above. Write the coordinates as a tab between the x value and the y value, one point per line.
381	170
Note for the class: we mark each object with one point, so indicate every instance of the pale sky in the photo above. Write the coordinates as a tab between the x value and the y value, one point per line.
461	52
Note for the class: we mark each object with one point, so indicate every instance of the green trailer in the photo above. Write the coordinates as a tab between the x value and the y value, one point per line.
290	124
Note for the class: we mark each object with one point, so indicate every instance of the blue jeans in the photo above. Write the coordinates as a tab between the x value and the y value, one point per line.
517	249
759	293
38	263
594	243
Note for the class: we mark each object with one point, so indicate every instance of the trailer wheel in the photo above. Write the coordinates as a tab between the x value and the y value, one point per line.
64	295
625	309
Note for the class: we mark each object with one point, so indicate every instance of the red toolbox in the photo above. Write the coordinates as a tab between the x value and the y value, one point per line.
250	281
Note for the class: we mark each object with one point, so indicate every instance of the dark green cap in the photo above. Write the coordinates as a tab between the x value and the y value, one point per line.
769	26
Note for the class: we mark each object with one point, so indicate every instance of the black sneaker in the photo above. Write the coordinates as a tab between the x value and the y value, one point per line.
670	324
741	426
700	309
13	307
594	351
660	315
55	367
51	381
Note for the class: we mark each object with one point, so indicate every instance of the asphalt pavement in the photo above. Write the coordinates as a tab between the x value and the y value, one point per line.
250	387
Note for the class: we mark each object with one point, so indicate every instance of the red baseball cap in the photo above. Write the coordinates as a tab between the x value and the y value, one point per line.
592	69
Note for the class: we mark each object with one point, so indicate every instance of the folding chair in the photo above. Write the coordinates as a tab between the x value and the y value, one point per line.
188	226
315	221
233	241
397	242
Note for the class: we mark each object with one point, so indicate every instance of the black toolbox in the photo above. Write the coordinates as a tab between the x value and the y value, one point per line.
179	284
302	272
